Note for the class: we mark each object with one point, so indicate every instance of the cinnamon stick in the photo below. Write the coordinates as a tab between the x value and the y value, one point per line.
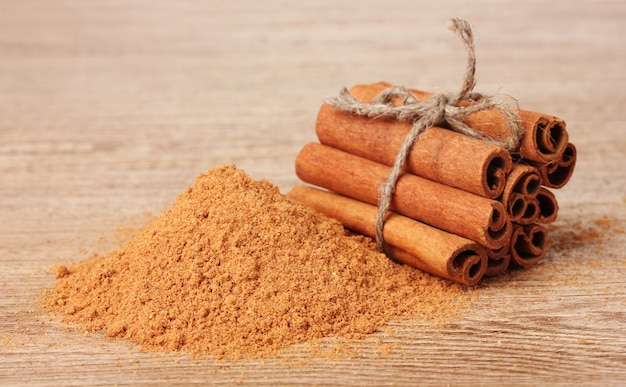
523	179
544	140
450	209
408	241
520	189
548	206
529	244
557	173
522	209
498	260
531	211
439	155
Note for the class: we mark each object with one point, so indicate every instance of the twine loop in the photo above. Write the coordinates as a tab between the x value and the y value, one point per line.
440	109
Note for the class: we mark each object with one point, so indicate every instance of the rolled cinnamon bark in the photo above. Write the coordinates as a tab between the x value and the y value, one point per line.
545	136
548	206
515	206
439	154
523	179
408	241
450	209
531	211
520	189
529	244
498	260
557	173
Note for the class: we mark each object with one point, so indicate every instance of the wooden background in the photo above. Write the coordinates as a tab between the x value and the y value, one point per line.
108	109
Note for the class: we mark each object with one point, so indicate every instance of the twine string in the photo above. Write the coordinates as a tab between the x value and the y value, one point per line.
440	109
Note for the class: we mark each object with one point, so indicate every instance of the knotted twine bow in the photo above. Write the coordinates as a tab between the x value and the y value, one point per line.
440	109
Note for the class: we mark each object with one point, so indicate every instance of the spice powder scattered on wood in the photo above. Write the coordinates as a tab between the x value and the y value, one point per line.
236	270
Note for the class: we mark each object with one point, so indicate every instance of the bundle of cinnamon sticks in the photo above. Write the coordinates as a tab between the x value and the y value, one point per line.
462	208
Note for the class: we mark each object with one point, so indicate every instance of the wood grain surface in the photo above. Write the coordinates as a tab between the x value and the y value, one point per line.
108	109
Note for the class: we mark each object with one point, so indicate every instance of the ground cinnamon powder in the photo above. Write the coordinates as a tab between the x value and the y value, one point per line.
236	270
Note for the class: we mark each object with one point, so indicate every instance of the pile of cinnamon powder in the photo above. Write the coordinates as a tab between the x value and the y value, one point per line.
236	270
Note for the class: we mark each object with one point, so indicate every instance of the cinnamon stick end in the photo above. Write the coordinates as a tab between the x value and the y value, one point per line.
558	173
497	168
500	228
498	266
468	265
548	206
529	244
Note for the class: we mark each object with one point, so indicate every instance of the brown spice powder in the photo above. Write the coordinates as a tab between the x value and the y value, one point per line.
236	270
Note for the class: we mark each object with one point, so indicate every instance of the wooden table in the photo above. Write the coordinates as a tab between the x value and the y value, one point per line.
109	109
